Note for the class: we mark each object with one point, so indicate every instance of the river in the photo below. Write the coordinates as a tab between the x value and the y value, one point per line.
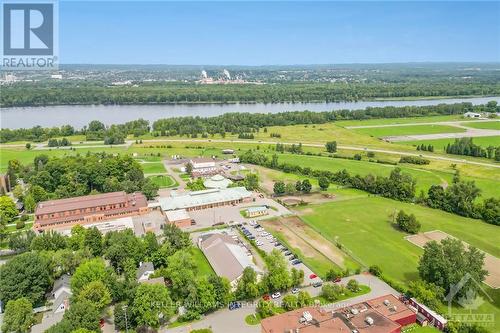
80	115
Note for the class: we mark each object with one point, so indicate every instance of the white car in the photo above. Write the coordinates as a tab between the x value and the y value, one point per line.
295	290
276	295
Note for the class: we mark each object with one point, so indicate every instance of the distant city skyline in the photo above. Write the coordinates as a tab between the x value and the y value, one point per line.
277	33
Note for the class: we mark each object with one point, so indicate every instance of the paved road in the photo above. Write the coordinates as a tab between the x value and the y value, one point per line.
469	133
224	320
175	175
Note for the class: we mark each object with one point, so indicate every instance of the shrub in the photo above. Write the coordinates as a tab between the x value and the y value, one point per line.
375	270
20	224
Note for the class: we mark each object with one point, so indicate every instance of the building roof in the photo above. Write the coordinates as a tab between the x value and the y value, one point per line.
256	209
143	268
225	255
217	181
63	281
87	201
177	215
204	197
158	280
391	307
371	316
201	160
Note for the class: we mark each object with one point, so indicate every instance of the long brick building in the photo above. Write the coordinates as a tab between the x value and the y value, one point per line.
64	213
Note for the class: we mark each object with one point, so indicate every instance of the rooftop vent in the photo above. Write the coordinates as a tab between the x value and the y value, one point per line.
386	302
354	311
307	316
369	320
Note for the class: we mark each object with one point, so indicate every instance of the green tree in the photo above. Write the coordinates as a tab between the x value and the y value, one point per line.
96	293
152	305
89	271
181	272
8	210
297	277
251	181
427	293
331	146
278	277
266	308
84	315
25	275
93	241
446	263
247	287
306	186
407	223
29	203
150	189
304	299
18	316
290	302
121	245
279	188
353	285
323	183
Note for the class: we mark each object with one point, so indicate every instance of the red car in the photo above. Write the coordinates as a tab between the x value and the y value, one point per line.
101	322
313	276
337	279
266	297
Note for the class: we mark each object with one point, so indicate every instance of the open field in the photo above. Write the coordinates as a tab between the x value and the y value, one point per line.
393	121
163	181
364	228
408	130
440	144
491	263
484	125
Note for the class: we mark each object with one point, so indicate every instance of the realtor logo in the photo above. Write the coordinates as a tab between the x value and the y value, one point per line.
29	39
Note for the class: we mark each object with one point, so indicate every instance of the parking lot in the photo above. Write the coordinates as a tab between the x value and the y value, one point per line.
266	242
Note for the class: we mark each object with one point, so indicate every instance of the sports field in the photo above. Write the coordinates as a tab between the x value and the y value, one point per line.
380	132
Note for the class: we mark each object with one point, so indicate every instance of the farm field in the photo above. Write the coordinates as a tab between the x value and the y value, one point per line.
408	130
163	181
495	125
440	144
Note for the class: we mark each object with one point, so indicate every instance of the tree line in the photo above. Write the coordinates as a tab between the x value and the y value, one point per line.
466	146
29	94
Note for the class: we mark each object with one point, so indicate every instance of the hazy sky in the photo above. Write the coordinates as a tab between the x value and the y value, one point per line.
260	33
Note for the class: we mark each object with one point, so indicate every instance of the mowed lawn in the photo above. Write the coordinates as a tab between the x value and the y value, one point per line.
153	167
163	181
204	268
408	130
394	121
494	125
364	227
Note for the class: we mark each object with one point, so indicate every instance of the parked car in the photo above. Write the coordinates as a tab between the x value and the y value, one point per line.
234	305
295	290
313	276
287	253
276	295
277	244
296	262
317	284
337	279
284	249
266	297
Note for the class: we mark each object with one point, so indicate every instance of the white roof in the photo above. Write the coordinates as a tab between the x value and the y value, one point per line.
204	197
177	215
217	181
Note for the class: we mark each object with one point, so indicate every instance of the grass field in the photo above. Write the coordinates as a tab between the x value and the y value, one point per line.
408	130
369	235
494	125
202	263
440	144
163	181
153	167
393	121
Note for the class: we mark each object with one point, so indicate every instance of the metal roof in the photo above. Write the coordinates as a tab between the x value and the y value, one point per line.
204	197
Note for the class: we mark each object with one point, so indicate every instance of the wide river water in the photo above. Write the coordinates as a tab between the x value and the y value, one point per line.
80	115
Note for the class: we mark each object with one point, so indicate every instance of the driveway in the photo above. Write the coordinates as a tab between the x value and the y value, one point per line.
234	321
